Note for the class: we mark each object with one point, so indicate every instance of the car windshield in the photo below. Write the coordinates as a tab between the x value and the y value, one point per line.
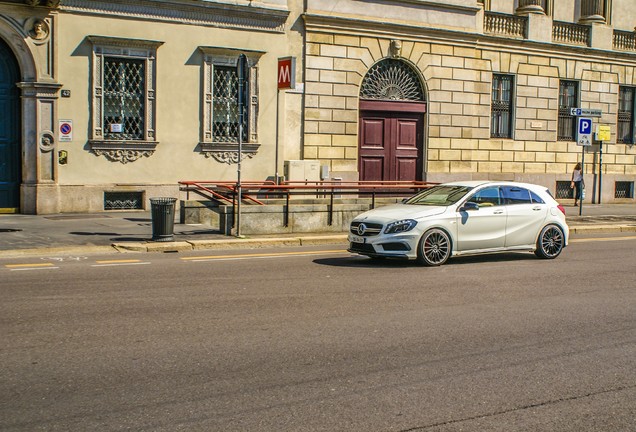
439	195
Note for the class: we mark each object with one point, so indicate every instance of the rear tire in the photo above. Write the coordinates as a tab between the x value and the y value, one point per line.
434	248
550	243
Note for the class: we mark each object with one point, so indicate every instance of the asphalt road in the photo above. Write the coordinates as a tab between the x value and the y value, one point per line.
316	339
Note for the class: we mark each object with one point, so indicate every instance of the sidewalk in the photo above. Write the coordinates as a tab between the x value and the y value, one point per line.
132	231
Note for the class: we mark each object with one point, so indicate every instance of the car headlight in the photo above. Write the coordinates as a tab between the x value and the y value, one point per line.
400	226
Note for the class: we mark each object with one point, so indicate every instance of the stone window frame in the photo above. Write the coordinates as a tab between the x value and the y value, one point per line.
509	134
123	151
228	152
629	115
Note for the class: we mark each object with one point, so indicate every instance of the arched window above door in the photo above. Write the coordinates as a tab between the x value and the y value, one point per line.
392	80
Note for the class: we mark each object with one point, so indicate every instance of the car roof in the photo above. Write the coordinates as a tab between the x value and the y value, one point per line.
477	183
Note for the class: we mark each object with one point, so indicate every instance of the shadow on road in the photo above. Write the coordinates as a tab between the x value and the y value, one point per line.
360	261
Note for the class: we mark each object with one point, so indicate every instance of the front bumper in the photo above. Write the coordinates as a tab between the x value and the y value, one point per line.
402	246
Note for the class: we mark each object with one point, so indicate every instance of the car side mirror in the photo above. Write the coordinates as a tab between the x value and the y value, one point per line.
469	206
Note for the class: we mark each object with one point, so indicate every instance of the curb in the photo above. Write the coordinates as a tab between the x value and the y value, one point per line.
588	229
178	246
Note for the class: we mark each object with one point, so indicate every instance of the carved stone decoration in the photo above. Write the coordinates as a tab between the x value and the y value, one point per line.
228	157
39	30
47	141
592	11
123	156
395	48
529	7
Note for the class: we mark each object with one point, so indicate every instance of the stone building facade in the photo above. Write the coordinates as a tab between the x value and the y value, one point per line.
498	79
104	105
107	104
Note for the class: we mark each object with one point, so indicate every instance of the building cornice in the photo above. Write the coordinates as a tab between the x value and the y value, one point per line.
193	12
433	5
417	33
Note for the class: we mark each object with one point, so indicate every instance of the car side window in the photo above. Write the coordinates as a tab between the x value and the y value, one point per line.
516	195
487	197
536	199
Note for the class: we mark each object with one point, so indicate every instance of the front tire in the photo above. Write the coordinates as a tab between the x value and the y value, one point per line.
434	248
550	243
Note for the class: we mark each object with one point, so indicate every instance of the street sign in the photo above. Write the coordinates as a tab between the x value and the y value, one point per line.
585	112
584	131
603	133
286	73
66	130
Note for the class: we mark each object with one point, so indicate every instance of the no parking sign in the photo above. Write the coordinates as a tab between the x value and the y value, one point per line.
66	130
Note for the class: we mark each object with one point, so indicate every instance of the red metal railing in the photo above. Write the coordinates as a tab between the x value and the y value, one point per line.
227	192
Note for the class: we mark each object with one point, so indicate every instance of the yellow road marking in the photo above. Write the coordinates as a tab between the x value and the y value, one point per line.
586	240
29	265
260	255
119	261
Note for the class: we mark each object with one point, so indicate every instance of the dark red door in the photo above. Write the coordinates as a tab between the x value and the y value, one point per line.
390	144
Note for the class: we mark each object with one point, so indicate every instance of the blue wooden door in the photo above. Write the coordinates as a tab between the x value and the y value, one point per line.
10	160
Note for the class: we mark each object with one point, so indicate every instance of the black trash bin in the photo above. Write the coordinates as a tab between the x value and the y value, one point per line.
162	210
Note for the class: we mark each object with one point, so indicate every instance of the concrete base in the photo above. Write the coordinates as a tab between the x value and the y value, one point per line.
52	198
304	216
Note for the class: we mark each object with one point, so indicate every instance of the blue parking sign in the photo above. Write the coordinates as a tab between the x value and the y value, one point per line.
584	131
585	126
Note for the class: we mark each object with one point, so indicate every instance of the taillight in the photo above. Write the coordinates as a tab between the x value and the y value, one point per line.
560	207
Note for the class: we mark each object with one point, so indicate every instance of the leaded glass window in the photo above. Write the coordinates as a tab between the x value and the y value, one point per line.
124	98
392	80
225	114
568	99
501	108
625	130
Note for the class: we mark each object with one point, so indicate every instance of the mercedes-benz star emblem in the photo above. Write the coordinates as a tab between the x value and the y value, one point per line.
362	229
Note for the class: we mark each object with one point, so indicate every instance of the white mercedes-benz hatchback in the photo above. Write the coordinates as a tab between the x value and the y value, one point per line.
463	218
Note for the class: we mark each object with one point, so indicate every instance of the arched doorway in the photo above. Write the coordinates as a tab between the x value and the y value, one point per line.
391	127
10	159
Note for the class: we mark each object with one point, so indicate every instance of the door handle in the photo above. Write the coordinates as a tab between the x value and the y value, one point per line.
536	208
498	212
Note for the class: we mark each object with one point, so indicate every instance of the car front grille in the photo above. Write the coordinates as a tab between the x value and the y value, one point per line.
361	248
371	229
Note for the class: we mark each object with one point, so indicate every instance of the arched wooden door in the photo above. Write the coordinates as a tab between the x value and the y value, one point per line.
391	124
391	139
10	159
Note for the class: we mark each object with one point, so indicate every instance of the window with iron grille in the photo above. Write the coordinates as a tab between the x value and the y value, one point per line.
563	190
624	189
123	98
568	98
501	107
625	129
225	112
220	115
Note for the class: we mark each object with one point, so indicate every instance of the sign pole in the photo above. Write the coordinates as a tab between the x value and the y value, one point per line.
600	170
276	176
582	180
241	72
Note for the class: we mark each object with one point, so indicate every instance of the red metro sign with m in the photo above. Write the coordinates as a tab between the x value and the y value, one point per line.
286	73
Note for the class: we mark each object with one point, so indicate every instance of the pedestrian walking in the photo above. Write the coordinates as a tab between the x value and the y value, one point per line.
577	183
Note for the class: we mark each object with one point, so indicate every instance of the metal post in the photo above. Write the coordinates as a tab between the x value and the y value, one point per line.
241	72
276	176
582	180
600	171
